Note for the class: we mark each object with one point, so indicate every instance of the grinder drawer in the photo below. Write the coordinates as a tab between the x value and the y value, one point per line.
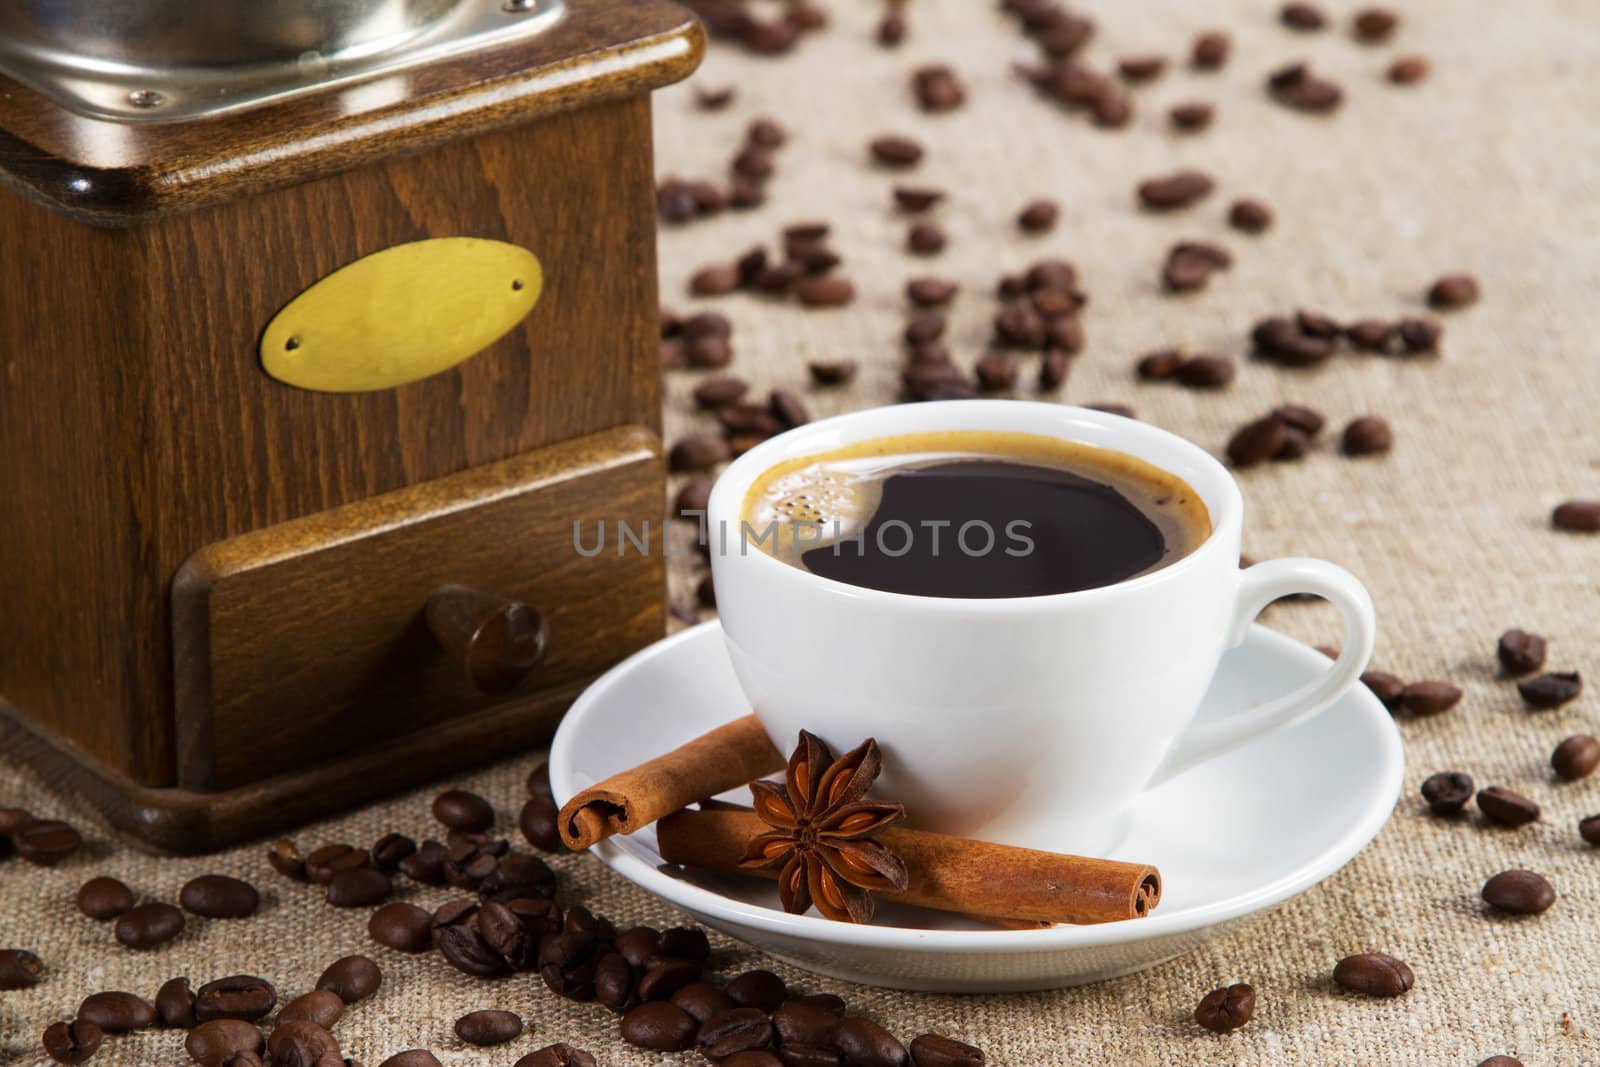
297	643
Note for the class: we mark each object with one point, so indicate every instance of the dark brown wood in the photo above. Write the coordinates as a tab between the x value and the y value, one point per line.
136	425
110	173
183	821
311	637
497	643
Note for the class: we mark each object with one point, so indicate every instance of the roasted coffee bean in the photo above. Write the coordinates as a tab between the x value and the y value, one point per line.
1190	264
416	1057
1284	341
1550	690
241	996
1501	1061
1257	441
1210	50
748	419
1453	291
71	1042
1307	420
1225	1009
928	292
1408	70
360	887
12	820
466	950
832	372
916	199
866	1044
925	239
117	1012
1296	443
826	291
1389	689
698	451
321	863
485	1028
1373	25
210	1044
508	935
734	1031
1577	516
320	1006
1297	88
1192	116
754	163
1519	892
996	371
462	810
659	1026
539	818
149	925
702	1001
1503	807
1367	435
1020	325
757	989
1205	372
558	1055
716	392
937	88
638	944
1053	369
1430	697
1589	829
693	497
1175	190
1302	16
705	593
1520	652
1375	974
1050	274
175	1004
1576	757
894	151
789	409
538	781
300	1043
831	1003
1250	216
891	29
353	978
713	99
518	875
615	982
718	279
1159	365
390	849
217	896
401	926
1141	68
426	864
665	977
45	842
1111	110
708	352
803	1024
287	861
1039	216
104	898
1371	335
1419	335
743	193
567	963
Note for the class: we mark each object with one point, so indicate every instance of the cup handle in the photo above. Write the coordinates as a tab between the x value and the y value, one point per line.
1259	586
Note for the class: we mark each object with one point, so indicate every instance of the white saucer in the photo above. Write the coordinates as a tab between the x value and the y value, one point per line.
1232	838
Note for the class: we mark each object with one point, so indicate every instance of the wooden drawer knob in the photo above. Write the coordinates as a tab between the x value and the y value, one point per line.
499	643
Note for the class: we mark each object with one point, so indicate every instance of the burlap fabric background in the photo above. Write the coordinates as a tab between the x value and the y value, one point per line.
1491	166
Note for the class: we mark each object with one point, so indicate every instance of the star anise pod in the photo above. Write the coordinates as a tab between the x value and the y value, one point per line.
822	832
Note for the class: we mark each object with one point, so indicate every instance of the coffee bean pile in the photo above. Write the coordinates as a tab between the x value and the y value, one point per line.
1059	75
682	200
1308	338
805	271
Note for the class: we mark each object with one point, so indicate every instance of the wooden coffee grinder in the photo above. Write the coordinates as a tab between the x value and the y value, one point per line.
321	322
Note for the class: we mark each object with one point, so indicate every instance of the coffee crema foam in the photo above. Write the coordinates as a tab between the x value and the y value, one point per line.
831	497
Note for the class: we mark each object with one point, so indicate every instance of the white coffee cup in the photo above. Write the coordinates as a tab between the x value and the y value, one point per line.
1032	721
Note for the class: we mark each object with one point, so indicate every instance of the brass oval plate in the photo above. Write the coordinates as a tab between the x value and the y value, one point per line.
401	315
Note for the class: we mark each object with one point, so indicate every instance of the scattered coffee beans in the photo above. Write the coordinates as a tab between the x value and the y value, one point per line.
1296	87
104	898
217	896
117	1012
826	291
1576	757
1551	690
1519	892
1453	291
45	842
1408	70
1190	264
1225	1009
1257	441
1389	689
211	1044
1375	974
833	372
1429	698
1039	216
1192	116
1503	807
19	969
659	1026
914	200
242	996
1304	17
894	151
864	1042
925	239
353	978
937	88
1367	435
461	810
402	926
71	1042
485	1028
1205	372
1210	51
1141	68
319	1006
1175	190
1576	516
1374	25
300	1041
1250	216
149	925
359	887
1447	792
1520	652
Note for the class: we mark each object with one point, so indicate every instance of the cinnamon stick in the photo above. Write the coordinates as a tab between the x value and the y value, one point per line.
726	758
948	873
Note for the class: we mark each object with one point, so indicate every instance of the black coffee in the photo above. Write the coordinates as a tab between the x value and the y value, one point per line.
974	515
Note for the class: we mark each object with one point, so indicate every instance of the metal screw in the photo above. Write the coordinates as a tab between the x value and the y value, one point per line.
146	98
